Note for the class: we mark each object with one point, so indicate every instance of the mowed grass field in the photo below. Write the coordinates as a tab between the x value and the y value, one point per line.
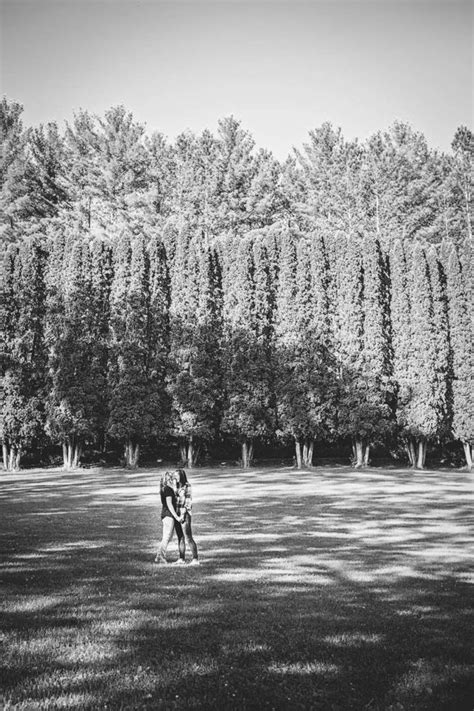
329	589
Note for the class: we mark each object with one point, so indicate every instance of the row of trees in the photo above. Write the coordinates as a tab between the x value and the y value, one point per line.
104	170
201	288
275	335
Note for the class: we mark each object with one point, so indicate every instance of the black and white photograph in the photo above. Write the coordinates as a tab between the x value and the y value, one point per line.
236	355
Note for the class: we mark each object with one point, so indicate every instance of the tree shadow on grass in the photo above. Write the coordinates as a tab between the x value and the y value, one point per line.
321	590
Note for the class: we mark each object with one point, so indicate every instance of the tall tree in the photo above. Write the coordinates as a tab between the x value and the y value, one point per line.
14	197
398	183
75	404
332	168
23	353
460	311
107	164
247	412
423	412
235	171
44	174
400	331
355	414
463	149
265	201
305	393
376	357
196	372
138	344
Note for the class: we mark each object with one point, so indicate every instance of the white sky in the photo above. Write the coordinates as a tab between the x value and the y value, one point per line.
281	67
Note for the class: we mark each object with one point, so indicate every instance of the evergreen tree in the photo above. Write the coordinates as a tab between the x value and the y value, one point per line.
305	393
44	173
138	344
441	383
398	185
332	173
81	168
291	375
400	330
463	170
460	312
158	334
161	172
196	374
107	171
99	285
75	332
195	183
355	413
247	411
423	413
235	172
23	353
376	357
265	201
14	197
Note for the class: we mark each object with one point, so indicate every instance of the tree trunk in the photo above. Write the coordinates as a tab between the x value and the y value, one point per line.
410	450
65	455
192	453
72	452
132	453
183	452
76	456
358	449
247	453
11	457
135	455
5	455
421	456
298	453
366	455
308	452
468	454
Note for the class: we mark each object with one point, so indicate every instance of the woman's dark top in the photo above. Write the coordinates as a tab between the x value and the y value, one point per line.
167	492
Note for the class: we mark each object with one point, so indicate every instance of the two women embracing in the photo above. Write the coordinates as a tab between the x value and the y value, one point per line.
176	514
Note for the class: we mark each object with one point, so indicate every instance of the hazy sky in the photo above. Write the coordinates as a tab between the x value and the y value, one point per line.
282	68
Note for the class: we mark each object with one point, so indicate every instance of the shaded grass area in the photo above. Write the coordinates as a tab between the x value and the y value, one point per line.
329	589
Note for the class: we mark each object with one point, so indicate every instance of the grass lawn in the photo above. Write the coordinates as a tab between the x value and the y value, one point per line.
330	589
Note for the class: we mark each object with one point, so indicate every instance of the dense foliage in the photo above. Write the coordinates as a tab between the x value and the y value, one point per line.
200	290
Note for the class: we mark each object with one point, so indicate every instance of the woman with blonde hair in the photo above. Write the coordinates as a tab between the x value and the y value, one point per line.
170	518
